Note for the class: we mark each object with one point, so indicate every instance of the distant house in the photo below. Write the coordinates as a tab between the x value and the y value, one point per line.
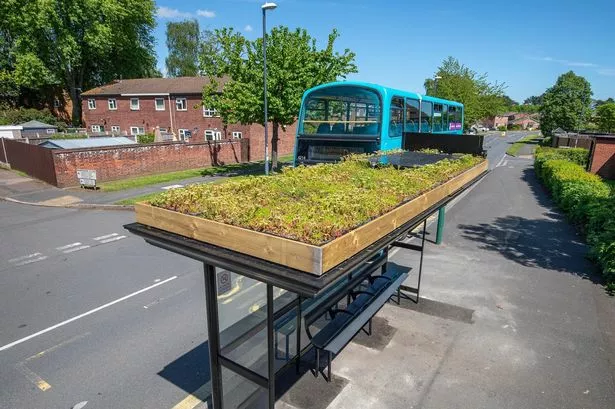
86	143
509	119
10	131
496	122
37	129
138	106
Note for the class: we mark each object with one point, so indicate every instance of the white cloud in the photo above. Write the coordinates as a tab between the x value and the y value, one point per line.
566	62
167	12
248	28
206	13
610	72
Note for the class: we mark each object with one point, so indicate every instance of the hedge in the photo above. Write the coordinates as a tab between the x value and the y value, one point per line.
586	200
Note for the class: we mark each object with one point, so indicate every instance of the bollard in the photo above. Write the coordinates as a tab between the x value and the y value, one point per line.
440	229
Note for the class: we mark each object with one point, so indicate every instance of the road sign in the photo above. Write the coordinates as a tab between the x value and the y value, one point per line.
224	282
86	177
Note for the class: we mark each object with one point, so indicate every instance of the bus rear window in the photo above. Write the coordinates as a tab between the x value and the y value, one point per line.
342	110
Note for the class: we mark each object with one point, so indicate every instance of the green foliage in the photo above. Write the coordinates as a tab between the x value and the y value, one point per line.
146	138
580	156
586	199
566	104
14	116
78	44
514	149
600	102
183	39
312	204
605	115
480	97
294	64
534	100
502	128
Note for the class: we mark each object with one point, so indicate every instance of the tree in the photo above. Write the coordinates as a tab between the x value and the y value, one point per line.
567	104
294	64
533	100
183	44
480	98
600	102
79	44
605	114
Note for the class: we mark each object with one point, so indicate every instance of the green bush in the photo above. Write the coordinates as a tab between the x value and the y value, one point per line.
585	198
501	128
13	116
146	138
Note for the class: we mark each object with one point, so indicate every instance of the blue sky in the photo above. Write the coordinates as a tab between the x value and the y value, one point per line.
525	44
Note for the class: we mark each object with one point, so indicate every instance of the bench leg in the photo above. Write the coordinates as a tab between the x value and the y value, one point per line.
275	347
317	364
287	348
329	368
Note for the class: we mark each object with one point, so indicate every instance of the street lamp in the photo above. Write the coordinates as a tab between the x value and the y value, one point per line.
436	78
265	7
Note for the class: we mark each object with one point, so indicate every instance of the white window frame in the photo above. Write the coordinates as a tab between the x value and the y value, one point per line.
213	135
237	135
112	104
115	128
139	130
132	106
156	104
95	128
91	103
182	134
51	130
210	112
184	104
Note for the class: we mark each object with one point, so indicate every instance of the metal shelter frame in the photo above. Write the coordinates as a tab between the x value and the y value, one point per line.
304	285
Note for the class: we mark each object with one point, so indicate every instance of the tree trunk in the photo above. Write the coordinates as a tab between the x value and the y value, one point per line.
274	145
74	97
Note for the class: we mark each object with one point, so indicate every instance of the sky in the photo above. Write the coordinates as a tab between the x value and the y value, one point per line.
399	43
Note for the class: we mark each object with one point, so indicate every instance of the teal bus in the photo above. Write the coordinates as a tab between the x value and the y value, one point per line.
341	118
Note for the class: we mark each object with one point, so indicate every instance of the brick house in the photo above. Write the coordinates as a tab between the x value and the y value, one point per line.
497	121
138	106
602	157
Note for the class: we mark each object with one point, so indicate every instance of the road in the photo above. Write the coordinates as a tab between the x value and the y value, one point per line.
93	314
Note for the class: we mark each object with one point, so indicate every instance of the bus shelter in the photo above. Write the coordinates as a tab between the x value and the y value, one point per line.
261	316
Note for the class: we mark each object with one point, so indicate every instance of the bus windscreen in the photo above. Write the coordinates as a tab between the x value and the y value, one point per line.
342	110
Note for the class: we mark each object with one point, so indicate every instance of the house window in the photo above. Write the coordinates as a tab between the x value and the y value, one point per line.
91	103
236	135
181	104
97	128
159	104
210	112
112	104
115	128
211	135
184	134
51	130
134	104
137	130
56	103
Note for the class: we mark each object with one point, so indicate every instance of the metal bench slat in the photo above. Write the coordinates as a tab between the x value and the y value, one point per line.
359	322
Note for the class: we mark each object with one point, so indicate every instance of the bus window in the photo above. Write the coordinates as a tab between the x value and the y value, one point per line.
396	120
454	118
444	117
412	115
437	117
341	110
426	112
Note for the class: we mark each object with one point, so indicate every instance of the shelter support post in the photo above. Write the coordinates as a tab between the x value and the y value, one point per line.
213	333
440	230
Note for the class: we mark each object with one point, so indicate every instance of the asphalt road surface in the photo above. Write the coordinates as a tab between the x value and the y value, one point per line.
93	314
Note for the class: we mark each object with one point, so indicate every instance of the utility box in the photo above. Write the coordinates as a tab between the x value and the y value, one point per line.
87	178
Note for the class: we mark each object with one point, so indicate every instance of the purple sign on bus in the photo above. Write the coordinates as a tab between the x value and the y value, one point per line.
454	126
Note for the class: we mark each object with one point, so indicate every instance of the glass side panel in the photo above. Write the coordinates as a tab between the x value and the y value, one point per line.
426	112
239	392
396	117
341	110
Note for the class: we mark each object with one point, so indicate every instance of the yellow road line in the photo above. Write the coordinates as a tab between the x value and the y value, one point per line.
195	398
33	377
60	345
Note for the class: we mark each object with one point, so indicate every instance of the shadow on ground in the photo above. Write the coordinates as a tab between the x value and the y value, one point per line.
548	241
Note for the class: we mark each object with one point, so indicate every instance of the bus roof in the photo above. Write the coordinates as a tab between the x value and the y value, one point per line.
384	91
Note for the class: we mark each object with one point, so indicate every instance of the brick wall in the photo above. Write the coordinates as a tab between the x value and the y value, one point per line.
286	141
603	157
118	162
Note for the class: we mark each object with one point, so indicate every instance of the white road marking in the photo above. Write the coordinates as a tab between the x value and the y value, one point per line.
32	260
76	249
501	160
171	187
106	236
183	290
68	246
14	260
505	163
112	239
85	314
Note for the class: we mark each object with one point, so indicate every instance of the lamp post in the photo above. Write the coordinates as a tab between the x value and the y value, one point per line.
435	79
265	7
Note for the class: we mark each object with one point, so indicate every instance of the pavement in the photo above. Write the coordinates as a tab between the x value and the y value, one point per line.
512	315
19	188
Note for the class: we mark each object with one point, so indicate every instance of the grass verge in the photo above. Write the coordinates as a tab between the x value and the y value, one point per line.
513	150
131	201
140	181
